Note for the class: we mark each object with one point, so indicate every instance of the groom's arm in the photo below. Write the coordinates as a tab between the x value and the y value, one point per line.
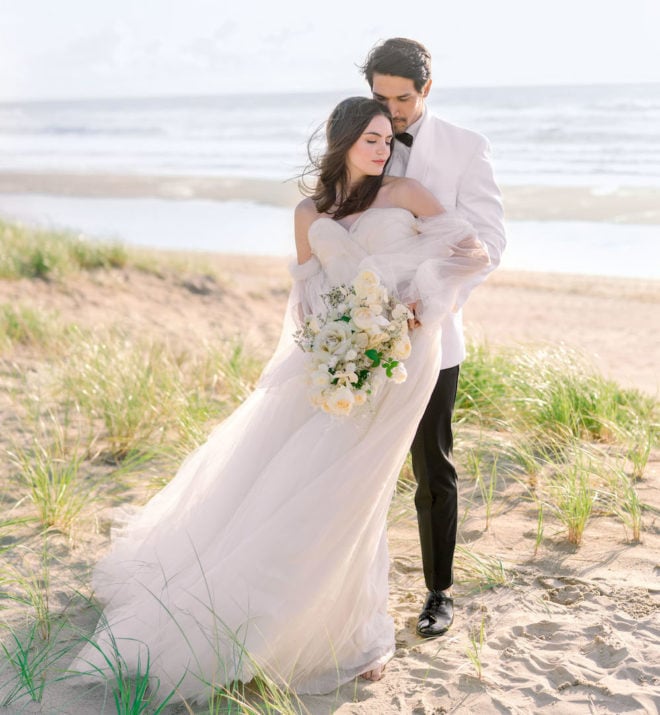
479	200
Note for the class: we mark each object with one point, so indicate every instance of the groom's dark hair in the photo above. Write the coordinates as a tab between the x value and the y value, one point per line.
399	57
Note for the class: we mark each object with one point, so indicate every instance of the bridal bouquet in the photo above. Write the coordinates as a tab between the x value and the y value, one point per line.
358	343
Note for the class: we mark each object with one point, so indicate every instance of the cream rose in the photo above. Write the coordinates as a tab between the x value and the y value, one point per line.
339	402
364	282
399	374
320	378
402	348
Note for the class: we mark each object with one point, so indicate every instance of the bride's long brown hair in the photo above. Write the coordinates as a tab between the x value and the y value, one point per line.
332	193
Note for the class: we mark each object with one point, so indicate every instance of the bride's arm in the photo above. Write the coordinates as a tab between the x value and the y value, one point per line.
304	216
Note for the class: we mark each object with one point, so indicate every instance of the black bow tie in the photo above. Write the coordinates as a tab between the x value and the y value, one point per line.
405	138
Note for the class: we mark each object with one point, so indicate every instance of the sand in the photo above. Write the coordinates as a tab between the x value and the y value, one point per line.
640	205
575	630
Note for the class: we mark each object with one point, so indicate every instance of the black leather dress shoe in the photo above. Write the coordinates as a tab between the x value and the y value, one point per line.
437	615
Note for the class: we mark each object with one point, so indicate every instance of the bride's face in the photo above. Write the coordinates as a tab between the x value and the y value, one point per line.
368	155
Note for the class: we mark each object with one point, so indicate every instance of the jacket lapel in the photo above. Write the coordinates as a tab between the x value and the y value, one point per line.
422	148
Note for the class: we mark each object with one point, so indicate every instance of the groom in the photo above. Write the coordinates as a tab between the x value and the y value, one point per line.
454	164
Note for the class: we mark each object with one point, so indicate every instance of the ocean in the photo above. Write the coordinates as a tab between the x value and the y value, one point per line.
603	137
559	135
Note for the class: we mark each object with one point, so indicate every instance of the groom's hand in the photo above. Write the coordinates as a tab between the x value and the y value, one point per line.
413	322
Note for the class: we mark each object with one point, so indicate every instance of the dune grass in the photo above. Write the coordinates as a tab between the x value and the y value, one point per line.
22	325
566	425
141	395
49	472
44	253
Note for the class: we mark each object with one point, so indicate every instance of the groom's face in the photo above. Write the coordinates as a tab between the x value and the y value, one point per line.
400	96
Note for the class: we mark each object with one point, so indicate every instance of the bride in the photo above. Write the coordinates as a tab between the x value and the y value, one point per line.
267	552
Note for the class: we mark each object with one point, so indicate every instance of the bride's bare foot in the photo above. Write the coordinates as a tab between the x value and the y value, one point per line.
375	674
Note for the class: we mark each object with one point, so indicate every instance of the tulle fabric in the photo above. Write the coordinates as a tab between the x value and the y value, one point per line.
267	551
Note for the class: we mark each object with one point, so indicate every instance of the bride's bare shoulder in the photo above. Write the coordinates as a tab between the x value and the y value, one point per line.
305	213
409	194
306	207
398	184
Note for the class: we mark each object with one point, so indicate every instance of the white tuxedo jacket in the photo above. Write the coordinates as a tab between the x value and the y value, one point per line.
454	164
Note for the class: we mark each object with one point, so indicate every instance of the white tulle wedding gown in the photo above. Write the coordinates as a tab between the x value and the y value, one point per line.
268	549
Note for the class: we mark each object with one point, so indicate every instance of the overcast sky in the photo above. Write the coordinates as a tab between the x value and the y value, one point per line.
90	48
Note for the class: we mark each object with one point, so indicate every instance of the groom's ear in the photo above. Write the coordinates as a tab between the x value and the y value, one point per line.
426	88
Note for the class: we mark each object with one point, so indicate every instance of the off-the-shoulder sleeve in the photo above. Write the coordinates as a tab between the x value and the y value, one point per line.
449	256
309	283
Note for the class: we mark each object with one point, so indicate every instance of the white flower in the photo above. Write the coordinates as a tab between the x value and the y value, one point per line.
376	338
401	311
320	378
340	401
402	348
363	318
364	282
348	377
333	338
313	324
317	397
351	355
399	374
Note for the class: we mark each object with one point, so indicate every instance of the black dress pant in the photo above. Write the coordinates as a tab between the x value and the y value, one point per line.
436	498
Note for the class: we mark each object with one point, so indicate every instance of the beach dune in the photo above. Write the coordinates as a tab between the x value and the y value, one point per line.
574	630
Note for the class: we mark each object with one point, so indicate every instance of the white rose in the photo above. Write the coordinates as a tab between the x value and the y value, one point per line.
363	318
399	374
351	355
313	325
317	397
320	378
333	338
339	402
364	282
402	348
